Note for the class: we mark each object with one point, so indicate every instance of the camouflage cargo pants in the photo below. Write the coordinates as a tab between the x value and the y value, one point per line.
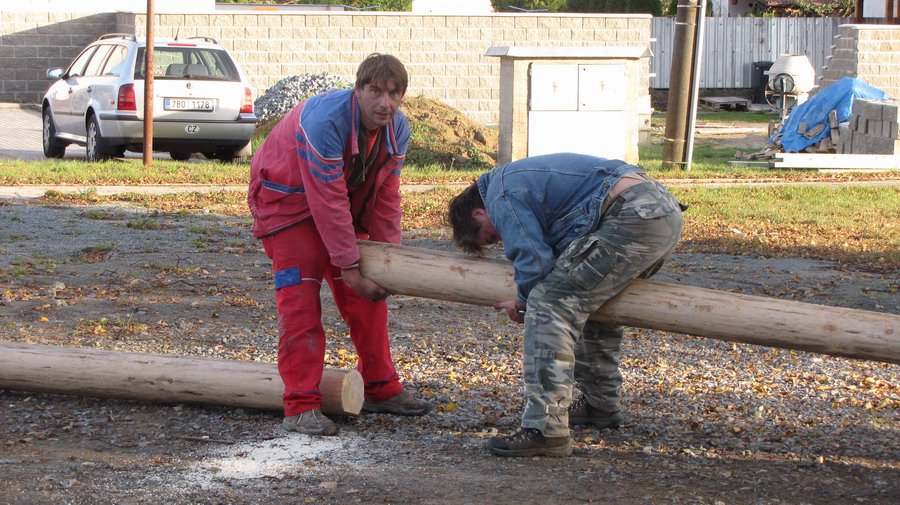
637	232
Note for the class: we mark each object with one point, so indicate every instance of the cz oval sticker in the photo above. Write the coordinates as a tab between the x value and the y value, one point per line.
192	128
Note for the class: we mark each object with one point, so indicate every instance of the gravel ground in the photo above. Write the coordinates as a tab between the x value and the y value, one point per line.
707	421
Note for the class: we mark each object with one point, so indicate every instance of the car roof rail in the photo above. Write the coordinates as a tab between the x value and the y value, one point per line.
126	36
206	39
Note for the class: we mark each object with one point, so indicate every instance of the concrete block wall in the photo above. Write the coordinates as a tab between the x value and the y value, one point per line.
30	43
445	55
872	129
869	52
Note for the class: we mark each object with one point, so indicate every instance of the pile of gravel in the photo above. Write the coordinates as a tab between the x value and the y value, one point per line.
288	92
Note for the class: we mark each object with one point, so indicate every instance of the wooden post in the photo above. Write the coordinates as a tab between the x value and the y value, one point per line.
168	379
648	304
678	103
148	89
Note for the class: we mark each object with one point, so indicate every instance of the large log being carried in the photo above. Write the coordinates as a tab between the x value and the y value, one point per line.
168	379
453	277
649	304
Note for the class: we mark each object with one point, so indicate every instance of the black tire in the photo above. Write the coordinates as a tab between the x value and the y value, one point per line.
53	147
180	155
228	155
96	148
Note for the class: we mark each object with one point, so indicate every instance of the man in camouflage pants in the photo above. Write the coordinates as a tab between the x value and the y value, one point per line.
578	229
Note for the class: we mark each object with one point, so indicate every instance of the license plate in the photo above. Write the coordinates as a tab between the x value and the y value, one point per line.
195	104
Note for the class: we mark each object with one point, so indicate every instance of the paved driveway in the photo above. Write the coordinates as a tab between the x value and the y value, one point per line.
21	138
20	134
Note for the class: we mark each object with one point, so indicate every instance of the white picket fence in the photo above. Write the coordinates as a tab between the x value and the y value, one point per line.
732	45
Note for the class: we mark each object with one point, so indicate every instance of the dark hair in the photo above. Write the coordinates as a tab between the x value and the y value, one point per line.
379	69
459	216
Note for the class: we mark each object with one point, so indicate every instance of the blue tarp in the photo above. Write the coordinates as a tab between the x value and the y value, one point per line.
839	97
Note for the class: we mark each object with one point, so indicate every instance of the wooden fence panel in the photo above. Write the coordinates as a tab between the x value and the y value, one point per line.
732	45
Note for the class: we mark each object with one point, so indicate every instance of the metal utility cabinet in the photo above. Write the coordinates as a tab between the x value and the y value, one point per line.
577	99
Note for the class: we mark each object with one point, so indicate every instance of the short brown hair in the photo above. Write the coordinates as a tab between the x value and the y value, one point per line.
381	68
459	216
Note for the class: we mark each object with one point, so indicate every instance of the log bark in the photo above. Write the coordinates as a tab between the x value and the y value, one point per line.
168	379
662	306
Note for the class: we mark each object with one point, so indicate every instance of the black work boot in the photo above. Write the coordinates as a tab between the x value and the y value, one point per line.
529	442
582	413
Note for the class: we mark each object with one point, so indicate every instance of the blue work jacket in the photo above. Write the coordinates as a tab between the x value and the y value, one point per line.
539	205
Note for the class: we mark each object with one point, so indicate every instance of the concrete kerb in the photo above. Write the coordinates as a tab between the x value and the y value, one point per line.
22	106
33	192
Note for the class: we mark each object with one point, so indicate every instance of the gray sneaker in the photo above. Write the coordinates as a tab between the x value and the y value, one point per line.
403	404
311	422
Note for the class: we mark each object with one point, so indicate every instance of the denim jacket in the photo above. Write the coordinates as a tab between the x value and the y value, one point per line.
539	205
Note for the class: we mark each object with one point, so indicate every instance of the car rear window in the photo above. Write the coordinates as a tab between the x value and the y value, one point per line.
190	62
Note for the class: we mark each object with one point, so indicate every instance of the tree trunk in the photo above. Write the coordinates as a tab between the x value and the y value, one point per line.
648	304
169	379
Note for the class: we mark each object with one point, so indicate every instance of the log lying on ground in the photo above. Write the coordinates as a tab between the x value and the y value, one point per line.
648	304
168	379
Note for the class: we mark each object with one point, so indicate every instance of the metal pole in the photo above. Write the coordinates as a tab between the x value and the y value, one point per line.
859	12
695	89
148	89
679	86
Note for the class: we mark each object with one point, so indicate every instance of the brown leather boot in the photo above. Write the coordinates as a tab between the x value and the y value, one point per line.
529	442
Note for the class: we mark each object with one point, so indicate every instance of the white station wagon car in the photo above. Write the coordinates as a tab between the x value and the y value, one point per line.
201	101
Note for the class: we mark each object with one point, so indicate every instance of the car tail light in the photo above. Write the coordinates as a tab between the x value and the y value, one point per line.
126	99
247	104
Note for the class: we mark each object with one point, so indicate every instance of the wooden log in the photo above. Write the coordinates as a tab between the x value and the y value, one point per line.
649	304
168	379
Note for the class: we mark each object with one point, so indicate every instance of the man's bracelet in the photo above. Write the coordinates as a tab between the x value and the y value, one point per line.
353	266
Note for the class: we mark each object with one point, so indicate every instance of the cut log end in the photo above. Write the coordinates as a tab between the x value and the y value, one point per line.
342	392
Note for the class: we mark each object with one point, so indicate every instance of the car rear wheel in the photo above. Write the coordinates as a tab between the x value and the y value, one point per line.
180	155
53	147
96	148
229	155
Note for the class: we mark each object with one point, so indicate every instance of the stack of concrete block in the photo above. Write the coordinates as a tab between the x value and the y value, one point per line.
872	128
868	52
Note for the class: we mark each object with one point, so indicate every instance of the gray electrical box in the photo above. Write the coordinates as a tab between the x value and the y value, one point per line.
577	108
587	100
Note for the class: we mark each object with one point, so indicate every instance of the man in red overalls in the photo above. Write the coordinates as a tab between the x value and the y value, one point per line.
328	174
